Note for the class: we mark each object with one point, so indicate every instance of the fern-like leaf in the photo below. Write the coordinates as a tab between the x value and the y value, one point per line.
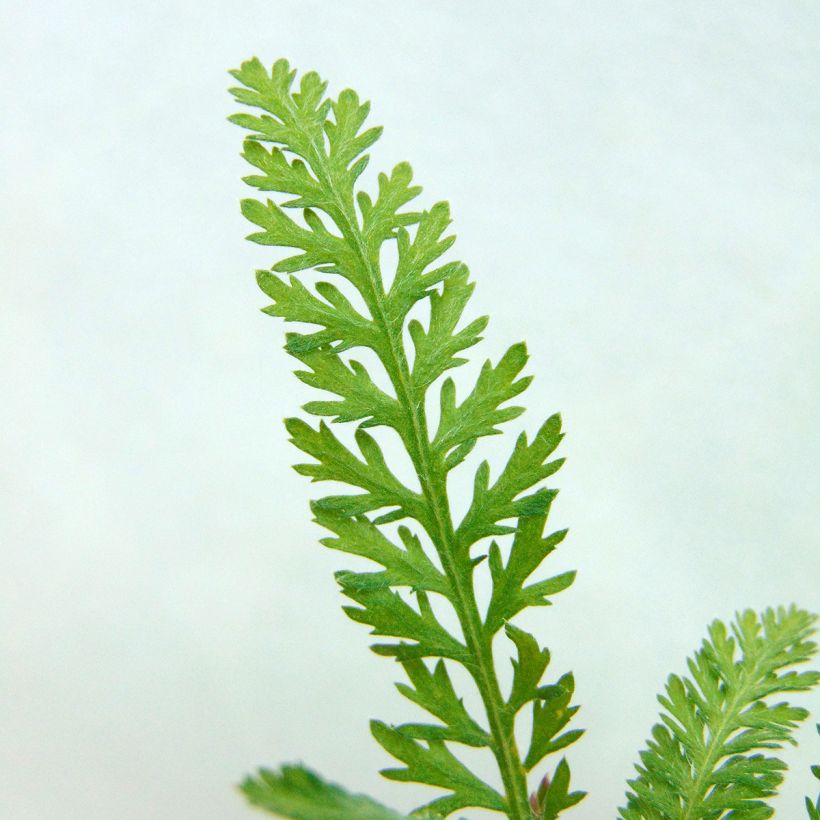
433	763
299	793
705	759
316	156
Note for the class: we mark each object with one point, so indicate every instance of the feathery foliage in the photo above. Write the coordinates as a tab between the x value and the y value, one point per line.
316	156
299	793
704	762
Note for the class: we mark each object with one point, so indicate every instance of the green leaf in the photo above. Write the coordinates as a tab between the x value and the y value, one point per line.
382	219
319	245
698	762
409	567
337	463
361	398
554	796
436	347
388	614
344	139
481	412
528	669
434	692
496	503
301	794
279	174
410	282
295	303
550	714
434	764
298	119
318	153
528	550
551	703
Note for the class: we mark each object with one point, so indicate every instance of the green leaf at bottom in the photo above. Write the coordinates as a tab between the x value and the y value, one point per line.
299	793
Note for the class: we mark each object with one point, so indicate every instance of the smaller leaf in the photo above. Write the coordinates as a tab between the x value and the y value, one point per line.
436	347
388	614
528	550
299	793
403	567
435	765
295	303
481	412
698	763
279	174
298	118
381	218
320	247
557	796
337	463
528	669
525	468
550	714
344	139
411	283
434	692
361	398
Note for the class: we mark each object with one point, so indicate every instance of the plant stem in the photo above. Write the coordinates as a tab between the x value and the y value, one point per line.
431	476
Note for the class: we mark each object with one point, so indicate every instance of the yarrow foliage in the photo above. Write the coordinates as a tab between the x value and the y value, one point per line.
316	157
699	764
309	150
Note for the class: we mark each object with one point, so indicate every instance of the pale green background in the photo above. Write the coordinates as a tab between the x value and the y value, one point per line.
635	187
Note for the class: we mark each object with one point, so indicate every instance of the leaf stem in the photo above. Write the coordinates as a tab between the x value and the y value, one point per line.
432	480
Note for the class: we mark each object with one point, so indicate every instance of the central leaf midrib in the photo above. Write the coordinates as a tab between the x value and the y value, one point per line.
504	745
741	697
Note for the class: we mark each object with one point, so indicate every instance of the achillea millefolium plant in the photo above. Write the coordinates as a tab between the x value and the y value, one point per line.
710	755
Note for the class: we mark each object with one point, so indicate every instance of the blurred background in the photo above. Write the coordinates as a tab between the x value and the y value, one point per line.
635	188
